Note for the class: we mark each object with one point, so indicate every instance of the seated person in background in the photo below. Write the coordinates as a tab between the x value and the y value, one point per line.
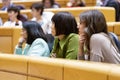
115	4
37	11
96	44
64	29
8	3
50	4
1	22
43	20
98	3
35	39
76	3
15	18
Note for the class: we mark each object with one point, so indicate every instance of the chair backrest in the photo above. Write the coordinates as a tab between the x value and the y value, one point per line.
114	27
75	11
40	68
27	3
13	67
9	37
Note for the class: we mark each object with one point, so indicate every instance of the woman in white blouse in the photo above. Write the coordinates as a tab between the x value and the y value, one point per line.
15	18
37	12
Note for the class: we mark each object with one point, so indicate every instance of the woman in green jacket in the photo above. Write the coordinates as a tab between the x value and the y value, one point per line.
64	29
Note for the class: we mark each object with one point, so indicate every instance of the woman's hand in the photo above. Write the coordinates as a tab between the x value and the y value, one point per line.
53	55
82	39
21	41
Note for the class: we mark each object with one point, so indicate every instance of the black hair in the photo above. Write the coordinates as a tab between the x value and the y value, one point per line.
16	10
34	31
65	23
38	6
52	2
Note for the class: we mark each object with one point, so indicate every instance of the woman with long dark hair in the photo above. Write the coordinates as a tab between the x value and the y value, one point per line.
35	39
14	17
95	41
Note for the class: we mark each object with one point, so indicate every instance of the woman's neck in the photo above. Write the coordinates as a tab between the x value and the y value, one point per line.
38	18
60	37
14	20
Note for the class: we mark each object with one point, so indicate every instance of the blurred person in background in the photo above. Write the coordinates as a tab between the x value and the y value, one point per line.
76	3
44	19
37	12
8	3
14	17
50	4
115	4
1	22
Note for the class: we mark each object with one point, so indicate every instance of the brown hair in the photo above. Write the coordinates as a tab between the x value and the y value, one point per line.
95	22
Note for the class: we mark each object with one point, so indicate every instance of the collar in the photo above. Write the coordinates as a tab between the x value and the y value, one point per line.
63	42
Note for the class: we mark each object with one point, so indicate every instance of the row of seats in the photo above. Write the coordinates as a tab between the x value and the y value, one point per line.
14	67
28	3
9	36
90	2
74	11
114	27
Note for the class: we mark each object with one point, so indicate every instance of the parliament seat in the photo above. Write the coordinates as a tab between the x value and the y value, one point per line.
13	67
9	37
114	27
18	67
74	11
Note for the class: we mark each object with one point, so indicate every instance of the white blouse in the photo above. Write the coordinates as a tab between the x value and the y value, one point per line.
44	24
102	49
10	23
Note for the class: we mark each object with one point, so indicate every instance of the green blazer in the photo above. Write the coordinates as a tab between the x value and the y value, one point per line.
67	47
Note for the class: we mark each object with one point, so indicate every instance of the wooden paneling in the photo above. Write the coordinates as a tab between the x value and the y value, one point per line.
15	67
9	37
45	68
5	44
11	76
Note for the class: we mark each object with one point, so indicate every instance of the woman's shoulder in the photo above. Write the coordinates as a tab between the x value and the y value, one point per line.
73	35
33	19
7	23
99	37
39	41
19	21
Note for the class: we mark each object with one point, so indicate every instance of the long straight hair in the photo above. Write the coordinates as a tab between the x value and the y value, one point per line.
95	22
34	31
